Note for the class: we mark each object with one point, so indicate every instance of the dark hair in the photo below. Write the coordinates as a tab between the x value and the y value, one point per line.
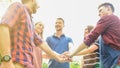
90	27
60	19
106	5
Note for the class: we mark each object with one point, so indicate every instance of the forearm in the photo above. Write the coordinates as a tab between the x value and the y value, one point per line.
44	46
46	56
5	40
80	47
90	49
83	52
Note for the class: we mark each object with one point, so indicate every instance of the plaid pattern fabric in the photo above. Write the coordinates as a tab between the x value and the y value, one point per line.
22	34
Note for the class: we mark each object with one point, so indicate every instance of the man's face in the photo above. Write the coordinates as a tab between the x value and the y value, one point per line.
35	6
103	11
59	25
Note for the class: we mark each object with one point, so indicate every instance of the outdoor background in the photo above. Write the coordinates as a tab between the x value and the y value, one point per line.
76	13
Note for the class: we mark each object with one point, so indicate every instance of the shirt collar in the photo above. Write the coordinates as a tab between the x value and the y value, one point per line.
63	35
28	11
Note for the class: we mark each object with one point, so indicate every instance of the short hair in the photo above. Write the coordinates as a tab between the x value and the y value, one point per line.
107	5
60	19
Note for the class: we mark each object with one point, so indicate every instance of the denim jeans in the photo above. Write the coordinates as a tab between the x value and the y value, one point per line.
108	56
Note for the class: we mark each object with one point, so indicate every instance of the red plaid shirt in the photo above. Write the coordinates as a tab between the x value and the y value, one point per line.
22	34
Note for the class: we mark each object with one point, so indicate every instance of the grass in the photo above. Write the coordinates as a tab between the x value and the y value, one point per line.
72	65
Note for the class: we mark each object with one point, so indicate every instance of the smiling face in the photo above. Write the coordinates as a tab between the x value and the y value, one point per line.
59	25
103	11
39	28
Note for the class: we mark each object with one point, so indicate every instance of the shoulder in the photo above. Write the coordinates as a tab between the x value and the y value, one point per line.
16	4
49	37
67	37
109	17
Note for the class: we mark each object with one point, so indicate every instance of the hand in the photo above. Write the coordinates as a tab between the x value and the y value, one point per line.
67	56
7	65
61	58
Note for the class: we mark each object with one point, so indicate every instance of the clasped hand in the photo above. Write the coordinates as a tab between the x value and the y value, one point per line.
65	57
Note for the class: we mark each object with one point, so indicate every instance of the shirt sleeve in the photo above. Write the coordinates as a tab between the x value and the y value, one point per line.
97	42
70	40
48	41
37	39
12	14
100	28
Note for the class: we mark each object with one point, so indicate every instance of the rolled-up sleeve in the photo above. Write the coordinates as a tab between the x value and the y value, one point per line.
101	26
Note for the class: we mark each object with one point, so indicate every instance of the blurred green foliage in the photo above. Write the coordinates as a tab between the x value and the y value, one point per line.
72	65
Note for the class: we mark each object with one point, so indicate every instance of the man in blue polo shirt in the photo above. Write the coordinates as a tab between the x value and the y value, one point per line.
59	43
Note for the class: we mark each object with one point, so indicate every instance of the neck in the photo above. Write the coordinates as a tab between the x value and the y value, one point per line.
58	33
40	35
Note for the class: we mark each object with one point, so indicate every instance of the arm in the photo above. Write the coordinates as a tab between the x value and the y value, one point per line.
44	46
45	56
90	49
8	20
5	45
79	48
101	26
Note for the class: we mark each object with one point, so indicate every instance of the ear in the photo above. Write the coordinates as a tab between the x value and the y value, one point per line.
109	9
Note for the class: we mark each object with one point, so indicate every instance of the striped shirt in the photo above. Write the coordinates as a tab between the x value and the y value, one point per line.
22	34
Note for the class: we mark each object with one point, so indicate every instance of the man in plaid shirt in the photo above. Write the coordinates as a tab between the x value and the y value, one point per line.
18	37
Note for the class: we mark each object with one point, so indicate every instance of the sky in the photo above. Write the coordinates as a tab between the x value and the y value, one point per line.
76	13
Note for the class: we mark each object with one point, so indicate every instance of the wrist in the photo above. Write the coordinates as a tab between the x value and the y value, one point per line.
56	55
6	58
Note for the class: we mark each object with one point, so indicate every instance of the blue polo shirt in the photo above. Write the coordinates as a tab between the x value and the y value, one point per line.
60	45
